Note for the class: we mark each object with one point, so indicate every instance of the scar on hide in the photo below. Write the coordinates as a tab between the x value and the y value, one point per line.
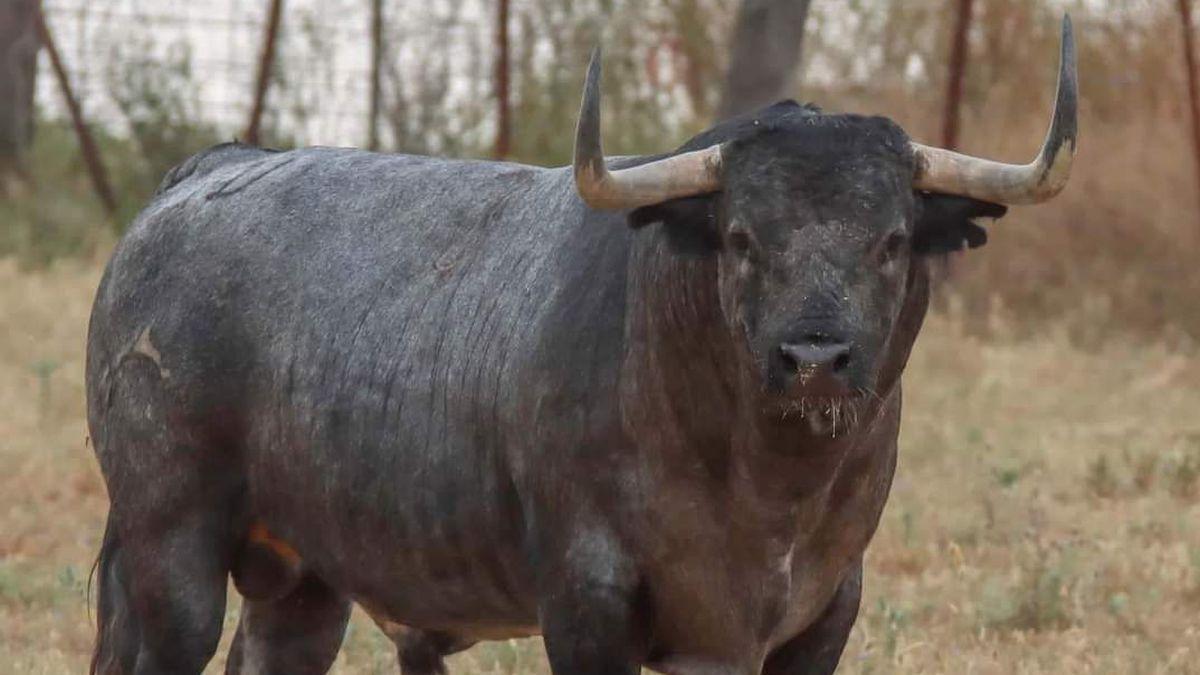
144	347
267	568
260	536
246	177
444	265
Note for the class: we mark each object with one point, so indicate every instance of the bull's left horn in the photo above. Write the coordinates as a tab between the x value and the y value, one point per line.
939	170
682	175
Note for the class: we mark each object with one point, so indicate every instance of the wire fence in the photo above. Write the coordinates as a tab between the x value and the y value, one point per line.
437	57
320	84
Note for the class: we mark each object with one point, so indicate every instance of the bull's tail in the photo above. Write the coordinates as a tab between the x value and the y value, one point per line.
116	629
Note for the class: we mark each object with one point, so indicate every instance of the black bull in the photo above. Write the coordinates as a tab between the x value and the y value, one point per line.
450	392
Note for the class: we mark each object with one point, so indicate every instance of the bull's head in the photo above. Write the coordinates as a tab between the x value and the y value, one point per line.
817	222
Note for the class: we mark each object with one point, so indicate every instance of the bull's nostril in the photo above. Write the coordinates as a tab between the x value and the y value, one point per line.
789	359
842	362
808	360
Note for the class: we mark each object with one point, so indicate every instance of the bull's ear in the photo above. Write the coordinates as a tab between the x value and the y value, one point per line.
945	223
689	223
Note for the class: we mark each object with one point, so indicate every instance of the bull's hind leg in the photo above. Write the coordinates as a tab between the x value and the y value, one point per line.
299	633
162	569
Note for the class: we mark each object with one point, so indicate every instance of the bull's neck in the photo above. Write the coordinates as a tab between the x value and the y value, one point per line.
681	360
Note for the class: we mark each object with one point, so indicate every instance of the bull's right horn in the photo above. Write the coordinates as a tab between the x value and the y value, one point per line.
939	170
682	175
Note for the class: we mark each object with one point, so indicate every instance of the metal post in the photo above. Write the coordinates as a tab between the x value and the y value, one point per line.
954	84
1189	62
376	61
87	145
264	71
503	111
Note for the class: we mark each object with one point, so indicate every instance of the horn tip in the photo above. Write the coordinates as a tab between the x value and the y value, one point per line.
594	69
591	83
1069	79
1068	36
589	113
589	154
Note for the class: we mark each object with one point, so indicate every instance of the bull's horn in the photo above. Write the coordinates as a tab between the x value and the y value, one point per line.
682	175
939	170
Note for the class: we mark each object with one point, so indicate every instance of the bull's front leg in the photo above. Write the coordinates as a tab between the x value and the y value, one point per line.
591	619
818	649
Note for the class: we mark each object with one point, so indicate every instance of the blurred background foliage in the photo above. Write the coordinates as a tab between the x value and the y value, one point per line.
1117	249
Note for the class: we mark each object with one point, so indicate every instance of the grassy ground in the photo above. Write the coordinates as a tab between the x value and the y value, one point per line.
1045	518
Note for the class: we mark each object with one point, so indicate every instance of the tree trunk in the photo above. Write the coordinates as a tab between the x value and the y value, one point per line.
265	60
18	69
1189	62
503	108
954	83
765	54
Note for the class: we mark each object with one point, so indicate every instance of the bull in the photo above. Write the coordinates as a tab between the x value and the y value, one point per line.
646	408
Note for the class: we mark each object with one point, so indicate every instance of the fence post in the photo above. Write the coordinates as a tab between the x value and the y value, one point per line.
954	83
264	71
376	62
1189	62
87	145
503	111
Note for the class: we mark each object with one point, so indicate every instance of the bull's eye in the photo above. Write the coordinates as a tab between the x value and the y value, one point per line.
739	241
893	247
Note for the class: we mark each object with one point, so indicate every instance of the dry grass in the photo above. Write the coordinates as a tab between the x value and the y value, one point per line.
1043	519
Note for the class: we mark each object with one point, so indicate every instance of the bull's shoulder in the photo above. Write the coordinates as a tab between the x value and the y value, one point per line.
206	161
